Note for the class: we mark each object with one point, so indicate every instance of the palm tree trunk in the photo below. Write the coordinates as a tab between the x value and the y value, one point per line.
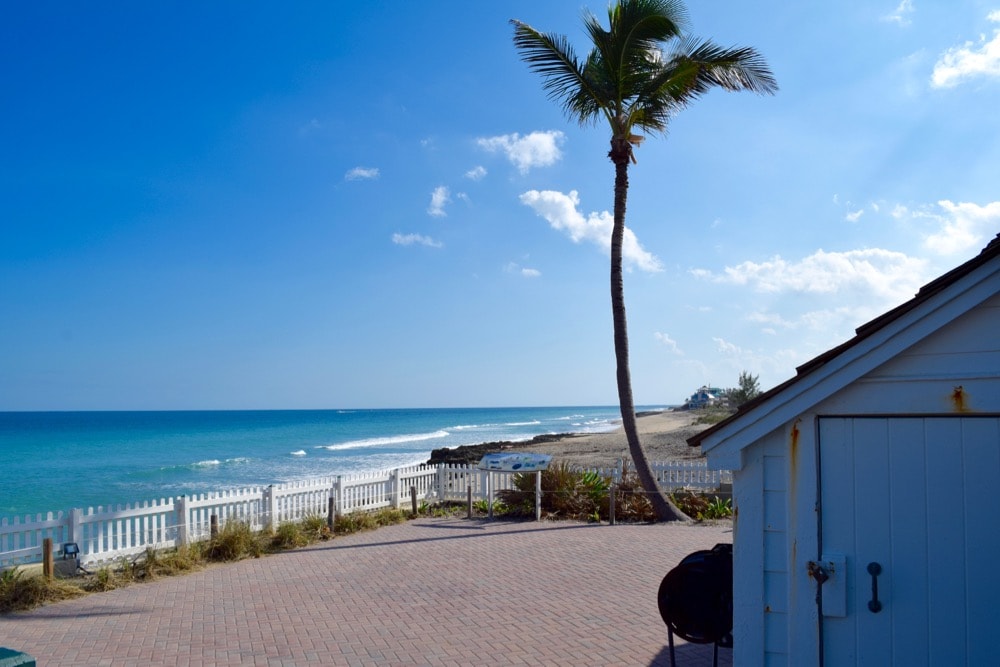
662	507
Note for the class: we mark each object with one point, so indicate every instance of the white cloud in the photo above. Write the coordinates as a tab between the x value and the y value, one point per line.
310	127
771	319
838	318
668	342
970	60
900	15
411	239
362	173
740	359
854	216
439	198
964	227
477	173
538	149
726	347
892	276
560	210
524	272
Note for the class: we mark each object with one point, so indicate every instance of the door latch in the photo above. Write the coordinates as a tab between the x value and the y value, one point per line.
830	573
817	572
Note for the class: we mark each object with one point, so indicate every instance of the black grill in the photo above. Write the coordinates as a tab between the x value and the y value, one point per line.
696	599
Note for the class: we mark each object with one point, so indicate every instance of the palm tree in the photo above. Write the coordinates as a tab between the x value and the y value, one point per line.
640	72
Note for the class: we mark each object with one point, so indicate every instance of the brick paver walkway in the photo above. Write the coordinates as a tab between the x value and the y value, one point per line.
448	592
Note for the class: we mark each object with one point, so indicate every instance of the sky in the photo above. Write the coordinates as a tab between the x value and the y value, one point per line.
249	205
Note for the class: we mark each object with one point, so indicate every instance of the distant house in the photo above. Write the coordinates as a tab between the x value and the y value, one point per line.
865	490
705	397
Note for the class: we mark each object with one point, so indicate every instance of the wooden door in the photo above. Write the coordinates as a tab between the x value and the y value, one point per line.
920	497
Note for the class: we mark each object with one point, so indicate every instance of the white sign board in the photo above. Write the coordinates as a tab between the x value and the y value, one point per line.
515	462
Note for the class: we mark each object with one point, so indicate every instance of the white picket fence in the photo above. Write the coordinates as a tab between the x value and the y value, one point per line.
106	534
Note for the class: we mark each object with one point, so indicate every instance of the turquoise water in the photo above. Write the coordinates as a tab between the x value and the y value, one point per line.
52	461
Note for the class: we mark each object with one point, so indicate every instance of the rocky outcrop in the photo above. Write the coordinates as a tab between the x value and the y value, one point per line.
472	454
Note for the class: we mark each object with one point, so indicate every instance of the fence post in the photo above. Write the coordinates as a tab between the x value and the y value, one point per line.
331	513
397	488
413	499
442	482
270	511
76	527
181	520
468	493
340	495
213	523
489	494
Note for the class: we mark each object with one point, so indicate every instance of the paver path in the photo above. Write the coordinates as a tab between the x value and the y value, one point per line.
428	592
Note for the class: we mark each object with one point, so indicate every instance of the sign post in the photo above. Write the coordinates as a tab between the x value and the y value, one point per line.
514	462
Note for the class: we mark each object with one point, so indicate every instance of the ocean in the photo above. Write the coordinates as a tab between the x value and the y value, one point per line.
55	461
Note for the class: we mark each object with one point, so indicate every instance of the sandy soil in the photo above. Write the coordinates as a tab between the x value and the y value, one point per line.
663	435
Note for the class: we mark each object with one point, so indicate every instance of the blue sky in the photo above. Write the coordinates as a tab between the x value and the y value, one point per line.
322	205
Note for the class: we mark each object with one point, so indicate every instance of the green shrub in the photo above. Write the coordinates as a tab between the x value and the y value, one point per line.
698	506
172	561
289	536
19	592
631	502
345	524
719	508
315	527
235	541
390	517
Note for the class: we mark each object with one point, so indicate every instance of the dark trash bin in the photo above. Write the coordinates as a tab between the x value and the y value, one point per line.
696	599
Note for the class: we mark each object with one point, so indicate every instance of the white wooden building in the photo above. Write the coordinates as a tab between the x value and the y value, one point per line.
885	450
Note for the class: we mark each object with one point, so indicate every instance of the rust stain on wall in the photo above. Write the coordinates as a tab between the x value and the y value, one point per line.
959	399
793	449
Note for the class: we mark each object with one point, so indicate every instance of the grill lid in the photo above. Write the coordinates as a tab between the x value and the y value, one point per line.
696	597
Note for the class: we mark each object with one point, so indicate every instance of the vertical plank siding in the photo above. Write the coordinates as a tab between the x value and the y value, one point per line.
105	534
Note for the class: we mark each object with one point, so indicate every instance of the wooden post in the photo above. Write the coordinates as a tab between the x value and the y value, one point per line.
47	565
331	514
413	499
612	492
213	523
468	493
538	495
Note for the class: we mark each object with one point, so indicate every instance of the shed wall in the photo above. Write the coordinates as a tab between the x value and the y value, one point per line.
762	552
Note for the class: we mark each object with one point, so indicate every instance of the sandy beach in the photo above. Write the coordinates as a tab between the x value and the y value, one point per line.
663	434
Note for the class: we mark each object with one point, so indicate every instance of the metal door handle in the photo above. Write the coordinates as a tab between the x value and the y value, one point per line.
874	569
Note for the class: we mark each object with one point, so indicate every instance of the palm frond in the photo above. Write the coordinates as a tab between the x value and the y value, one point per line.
629	77
552	56
697	66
